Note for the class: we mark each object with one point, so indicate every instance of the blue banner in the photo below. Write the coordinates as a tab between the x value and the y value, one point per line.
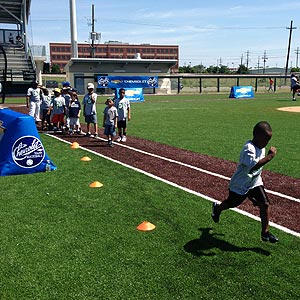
22	151
241	92
132	94
115	82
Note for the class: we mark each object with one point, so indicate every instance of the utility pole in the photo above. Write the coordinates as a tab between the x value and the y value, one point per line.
92	33
264	58
247	58
258	65
297	51
289	47
242	58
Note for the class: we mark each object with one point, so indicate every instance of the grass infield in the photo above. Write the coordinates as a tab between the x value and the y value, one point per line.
61	239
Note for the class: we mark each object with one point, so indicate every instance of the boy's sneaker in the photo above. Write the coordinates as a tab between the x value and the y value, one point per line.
110	143
215	215
124	138
95	135
88	134
119	139
269	237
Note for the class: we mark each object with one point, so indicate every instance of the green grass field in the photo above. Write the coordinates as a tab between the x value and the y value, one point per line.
61	239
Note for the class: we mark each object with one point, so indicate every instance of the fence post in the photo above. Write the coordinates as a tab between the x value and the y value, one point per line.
200	85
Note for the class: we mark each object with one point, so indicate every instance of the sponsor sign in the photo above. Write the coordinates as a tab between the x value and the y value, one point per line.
22	151
114	82
132	94
241	92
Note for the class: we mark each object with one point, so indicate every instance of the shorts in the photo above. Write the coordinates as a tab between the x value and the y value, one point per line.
110	130
91	119
296	88
122	124
256	195
74	121
58	118
45	116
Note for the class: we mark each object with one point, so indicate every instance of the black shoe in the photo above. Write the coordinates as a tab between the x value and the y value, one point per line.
215	215
269	237
88	134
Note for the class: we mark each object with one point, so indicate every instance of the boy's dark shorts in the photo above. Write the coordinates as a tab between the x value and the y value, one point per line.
110	130
91	119
256	195
122	124
296	88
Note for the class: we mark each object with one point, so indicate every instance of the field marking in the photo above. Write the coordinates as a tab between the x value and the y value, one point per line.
282	228
201	170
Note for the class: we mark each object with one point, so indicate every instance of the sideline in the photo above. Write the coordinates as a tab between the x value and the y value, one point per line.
200	170
282	228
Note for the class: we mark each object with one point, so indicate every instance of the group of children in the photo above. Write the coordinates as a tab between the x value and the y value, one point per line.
62	110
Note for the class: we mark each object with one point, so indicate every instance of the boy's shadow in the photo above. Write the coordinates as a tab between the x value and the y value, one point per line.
208	241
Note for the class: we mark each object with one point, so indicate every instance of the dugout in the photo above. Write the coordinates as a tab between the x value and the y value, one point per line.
80	71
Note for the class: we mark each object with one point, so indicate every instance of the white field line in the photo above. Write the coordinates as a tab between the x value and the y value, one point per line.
282	228
202	170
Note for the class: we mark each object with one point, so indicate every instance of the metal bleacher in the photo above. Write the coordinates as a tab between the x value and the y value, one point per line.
17	68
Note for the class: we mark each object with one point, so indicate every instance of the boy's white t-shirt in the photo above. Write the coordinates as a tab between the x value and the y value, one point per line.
243	179
122	106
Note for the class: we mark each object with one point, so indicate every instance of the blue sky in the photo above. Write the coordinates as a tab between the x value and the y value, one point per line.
207	32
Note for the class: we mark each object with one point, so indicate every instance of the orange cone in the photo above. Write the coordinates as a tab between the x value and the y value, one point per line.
85	158
146	226
74	145
96	184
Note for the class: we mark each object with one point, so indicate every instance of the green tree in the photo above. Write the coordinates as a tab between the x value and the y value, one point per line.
242	70
199	69
55	69
296	70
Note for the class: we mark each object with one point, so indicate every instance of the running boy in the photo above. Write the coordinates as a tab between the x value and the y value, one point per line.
246	182
110	119
123	106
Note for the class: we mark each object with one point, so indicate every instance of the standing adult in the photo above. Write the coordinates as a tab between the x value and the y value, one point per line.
89	110
33	101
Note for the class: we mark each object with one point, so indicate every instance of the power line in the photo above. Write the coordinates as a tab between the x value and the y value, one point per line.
170	25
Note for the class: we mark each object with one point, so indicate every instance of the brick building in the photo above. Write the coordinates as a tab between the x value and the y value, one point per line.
60	53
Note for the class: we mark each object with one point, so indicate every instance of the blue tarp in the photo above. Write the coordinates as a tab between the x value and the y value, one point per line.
21	150
241	92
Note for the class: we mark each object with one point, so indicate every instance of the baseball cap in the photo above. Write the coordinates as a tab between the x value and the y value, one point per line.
90	86
66	84
56	90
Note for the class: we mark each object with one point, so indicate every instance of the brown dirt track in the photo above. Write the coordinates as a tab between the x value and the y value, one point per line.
283	211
